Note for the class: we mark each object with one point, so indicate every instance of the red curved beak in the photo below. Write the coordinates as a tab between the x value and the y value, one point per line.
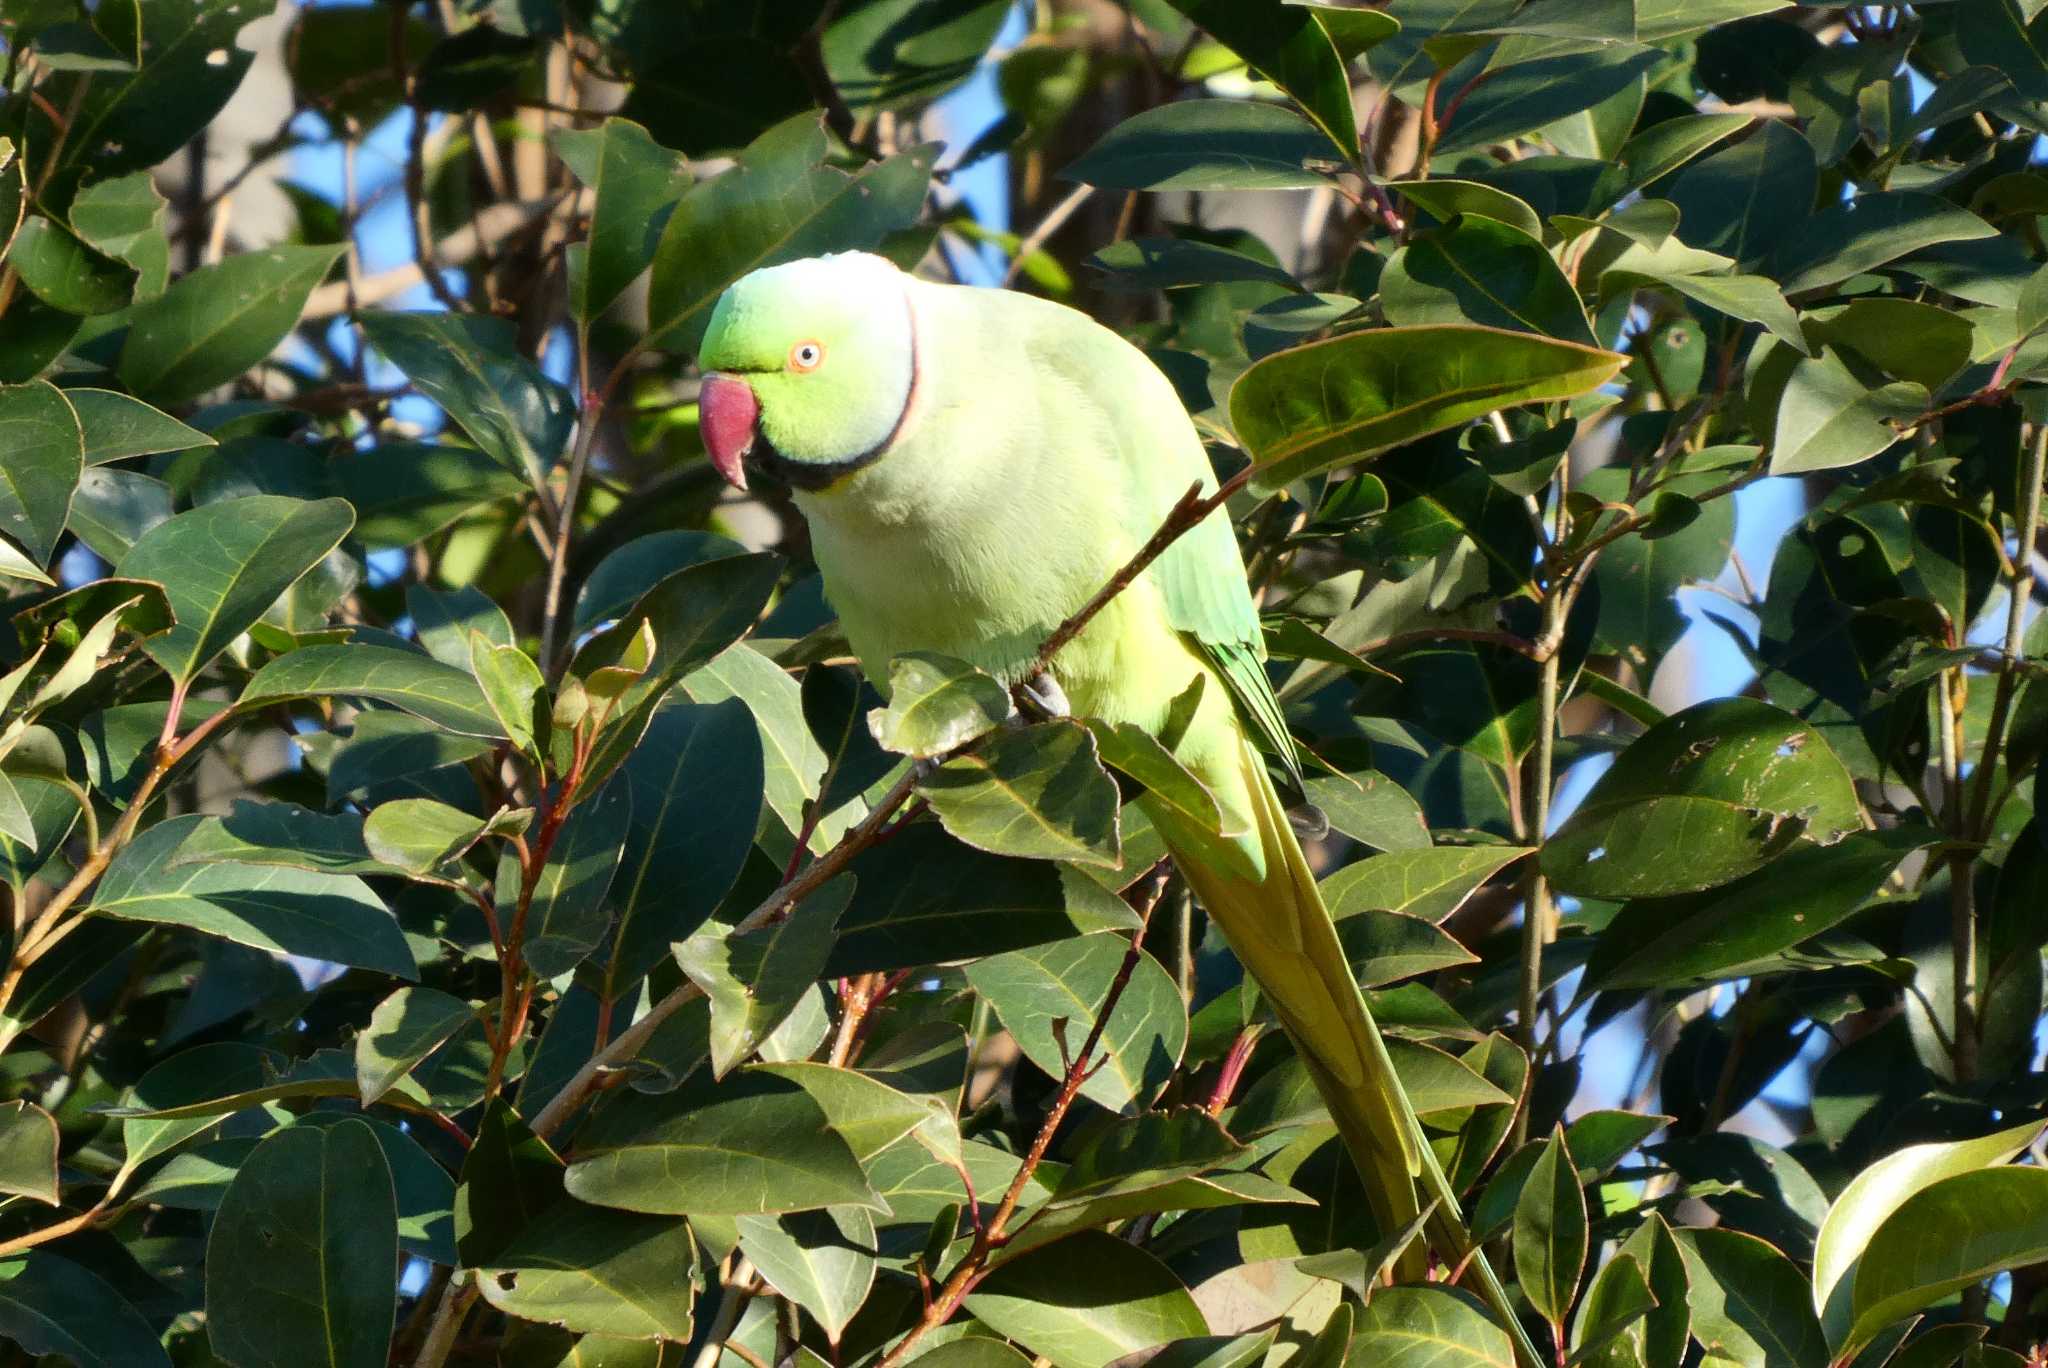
729	417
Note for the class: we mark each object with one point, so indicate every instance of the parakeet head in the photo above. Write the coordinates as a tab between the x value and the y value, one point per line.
809	369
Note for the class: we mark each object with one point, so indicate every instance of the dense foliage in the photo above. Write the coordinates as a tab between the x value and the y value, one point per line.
465	906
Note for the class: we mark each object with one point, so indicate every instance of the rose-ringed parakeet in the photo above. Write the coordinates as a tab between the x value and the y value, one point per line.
974	465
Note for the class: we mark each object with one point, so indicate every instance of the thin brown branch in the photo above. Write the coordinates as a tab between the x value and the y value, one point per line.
793	891
991	1237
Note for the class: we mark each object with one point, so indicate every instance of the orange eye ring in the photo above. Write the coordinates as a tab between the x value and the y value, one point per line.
807	355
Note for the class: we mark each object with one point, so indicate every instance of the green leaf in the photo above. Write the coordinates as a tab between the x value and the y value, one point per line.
1132	751
472	366
1733	782
922	897
598	1271
1914	341
938	704
824	1261
50	1305
443	695
223	1068
113	508
1616	1302
1481	271
1429	1327
1430	883
117	427
1950	1234
636	182
1434	1081
419	835
1329	403
1526	96
886	54
1750	1306
1165	263
623	576
1550	1232
568	917
1038	792
510	1180
1866	231
778	203
1290	47
1444	198
302	1260
752	1143
1753	299
125	217
757	979
224	563
404	1029
695	613
1881	1189
1663	147
1206	145
405	492
1663	1335
1086	1301
41	457
1739	928
1054	992
867	1113
28	1152
66	274
217	322
1386	947
297	912
794	761
1829	417
1745	199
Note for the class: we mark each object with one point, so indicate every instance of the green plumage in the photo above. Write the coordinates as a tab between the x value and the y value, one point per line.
1031	453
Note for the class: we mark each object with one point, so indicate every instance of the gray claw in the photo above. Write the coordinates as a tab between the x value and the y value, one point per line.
1044	693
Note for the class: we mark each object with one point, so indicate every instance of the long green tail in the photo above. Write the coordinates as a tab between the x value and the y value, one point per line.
1282	933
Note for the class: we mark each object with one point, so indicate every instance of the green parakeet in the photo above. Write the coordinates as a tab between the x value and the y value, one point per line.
975	464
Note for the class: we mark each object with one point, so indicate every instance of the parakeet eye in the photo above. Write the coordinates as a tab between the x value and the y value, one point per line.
806	356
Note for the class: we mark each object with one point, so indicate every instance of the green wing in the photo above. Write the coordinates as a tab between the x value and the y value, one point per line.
1201	577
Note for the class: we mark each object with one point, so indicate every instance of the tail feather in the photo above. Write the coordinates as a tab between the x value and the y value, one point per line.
1282	933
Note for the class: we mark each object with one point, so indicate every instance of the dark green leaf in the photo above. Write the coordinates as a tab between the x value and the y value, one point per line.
50	1305
780	202
224	564
220	320
757	979
568	917
28	1152
41	456
636	181
1481	271
1732	782
1745	199
442	694
1054	993
403	1030
824	1261
753	1143
1290	47
690	830
472	367
302	1261
1550	1232
1750	1306
65	273
324	916
1206	145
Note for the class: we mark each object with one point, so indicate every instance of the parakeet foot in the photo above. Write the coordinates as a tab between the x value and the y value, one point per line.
1043	694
